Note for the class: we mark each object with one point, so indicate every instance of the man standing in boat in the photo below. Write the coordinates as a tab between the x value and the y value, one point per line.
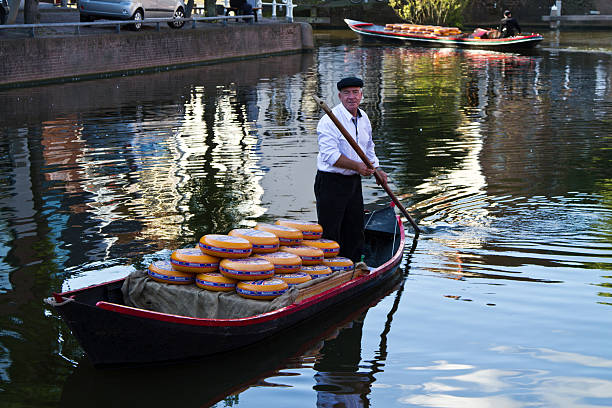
509	27
338	180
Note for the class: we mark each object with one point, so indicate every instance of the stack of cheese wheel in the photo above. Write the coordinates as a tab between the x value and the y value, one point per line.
310	230
310	255
246	269
262	289
225	246
284	262
338	264
329	247
450	30
285	253
263	241
162	271
294	278
192	260
317	271
215	281
286	235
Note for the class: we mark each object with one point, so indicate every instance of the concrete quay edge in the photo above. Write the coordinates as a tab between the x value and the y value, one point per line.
52	59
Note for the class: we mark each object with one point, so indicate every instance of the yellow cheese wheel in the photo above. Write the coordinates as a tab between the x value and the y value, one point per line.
330	248
246	269
286	235
310	230
215	281
294	278
262	289
309	255
284	262
225	246
317	271
338	263
263	241
162	271
193	260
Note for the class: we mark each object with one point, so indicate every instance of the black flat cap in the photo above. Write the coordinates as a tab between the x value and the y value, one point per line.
350	81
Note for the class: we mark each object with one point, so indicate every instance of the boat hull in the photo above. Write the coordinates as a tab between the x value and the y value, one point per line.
225	373
377	32
111	333
110	337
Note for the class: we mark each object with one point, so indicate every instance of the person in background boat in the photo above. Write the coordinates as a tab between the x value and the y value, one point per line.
244	8
339	170
509	27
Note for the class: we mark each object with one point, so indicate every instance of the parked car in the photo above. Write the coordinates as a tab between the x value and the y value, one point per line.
4	11
132	10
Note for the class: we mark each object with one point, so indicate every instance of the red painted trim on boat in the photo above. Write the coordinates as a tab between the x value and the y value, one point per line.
265	317
441	39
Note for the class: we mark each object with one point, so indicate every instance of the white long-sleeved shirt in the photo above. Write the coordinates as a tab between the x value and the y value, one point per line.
332	143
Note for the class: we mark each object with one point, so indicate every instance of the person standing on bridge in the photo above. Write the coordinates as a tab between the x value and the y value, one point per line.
338	181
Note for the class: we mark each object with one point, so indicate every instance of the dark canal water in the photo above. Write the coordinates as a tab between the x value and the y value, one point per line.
505	160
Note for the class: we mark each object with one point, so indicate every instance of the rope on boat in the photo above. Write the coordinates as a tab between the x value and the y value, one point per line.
369	219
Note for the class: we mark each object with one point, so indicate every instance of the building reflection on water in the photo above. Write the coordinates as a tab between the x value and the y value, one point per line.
120	173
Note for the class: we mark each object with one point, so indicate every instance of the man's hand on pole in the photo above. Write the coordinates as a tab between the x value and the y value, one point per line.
382	177
364	170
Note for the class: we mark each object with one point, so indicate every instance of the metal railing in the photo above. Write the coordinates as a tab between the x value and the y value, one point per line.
288	4
119	23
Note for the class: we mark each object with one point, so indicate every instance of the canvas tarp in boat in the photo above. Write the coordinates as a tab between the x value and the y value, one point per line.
189	300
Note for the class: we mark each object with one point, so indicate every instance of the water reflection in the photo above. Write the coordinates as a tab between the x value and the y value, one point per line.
126	170
338	380
504	160
498	389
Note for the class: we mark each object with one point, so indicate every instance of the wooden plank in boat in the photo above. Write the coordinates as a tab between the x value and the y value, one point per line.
335	280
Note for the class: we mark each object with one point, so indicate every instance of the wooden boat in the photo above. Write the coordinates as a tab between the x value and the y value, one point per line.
440	36
210	379
112	333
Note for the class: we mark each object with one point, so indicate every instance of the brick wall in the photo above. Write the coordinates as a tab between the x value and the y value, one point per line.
31	60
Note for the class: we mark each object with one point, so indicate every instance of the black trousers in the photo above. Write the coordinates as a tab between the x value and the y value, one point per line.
340	211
